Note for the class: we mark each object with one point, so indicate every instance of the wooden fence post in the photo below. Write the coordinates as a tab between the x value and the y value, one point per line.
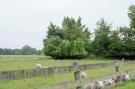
77	74
38	71
116	66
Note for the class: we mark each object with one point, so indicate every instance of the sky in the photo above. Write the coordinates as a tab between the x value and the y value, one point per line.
25	22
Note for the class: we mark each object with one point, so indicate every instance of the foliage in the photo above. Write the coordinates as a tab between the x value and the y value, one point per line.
101	41
115	43
71	40
26	50
131	15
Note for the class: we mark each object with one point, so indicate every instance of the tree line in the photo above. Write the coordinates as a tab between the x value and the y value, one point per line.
74	40
26	50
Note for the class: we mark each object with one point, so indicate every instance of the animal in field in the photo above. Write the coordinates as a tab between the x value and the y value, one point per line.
100	85
38	66
125	77
83	75
91	86
108	82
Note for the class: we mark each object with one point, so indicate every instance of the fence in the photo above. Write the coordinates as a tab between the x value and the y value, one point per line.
20	74
76	68
78	83
81	83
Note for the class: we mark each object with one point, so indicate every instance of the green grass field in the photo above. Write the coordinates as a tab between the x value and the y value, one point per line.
28	62
129	85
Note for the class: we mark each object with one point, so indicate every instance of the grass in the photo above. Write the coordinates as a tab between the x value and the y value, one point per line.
129	85
39	82
27	62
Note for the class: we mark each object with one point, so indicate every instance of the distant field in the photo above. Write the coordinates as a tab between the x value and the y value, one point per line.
28	62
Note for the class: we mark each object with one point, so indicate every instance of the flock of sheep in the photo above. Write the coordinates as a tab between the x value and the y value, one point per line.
99	84
107	83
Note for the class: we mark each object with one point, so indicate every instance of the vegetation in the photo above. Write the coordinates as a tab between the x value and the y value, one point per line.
71	40
26	50
74	40
12	62
129	85
27	62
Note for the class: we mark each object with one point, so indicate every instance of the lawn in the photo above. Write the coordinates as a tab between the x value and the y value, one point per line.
26	62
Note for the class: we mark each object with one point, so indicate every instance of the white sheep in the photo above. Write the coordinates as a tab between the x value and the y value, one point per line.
125	77
83	75
90	86
35	58
100	85
111	81
106	82
38	65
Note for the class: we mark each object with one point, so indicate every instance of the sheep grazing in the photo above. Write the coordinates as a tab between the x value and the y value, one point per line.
117	79
38	65
106	82
35	58
100	85
111	81
83	75
125	77
90	86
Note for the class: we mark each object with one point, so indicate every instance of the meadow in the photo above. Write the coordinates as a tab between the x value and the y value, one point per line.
11	62
129	85
28	62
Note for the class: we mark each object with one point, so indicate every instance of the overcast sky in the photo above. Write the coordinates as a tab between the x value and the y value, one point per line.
25	21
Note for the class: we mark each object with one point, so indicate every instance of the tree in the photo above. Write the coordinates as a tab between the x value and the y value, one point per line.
122	43
70	40
101	41
131	15
78	49
27	50
52	46
116	46
128	40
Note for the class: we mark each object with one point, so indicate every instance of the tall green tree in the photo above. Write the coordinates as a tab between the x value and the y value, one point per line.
128	40
116	46
70	40
131	14
101	41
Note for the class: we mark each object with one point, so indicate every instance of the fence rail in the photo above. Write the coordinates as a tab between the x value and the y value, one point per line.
20	74
74	84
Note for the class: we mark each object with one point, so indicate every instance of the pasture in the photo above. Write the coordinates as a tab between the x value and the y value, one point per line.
129	85
29	62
